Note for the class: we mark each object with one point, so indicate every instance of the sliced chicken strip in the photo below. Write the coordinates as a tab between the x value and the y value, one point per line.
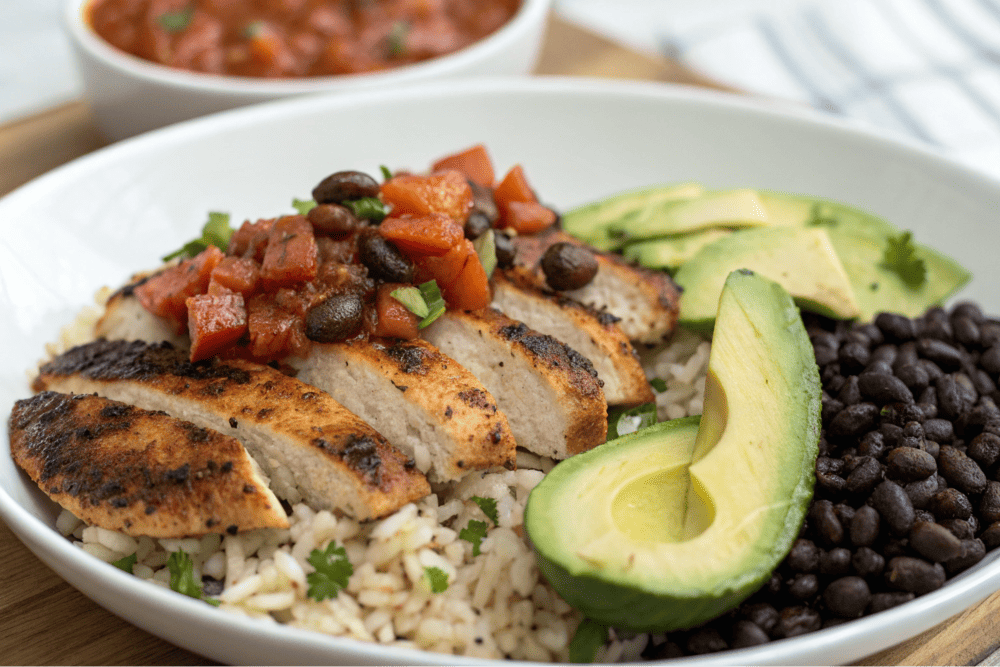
125	318
422	401
139	472
549	392
311	447
644	301
593	334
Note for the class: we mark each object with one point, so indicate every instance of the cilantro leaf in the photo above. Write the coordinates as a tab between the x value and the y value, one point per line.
386	172
486	250
622	422
303	206
177	21
435	302
488	506
589	637
474	533
332	572
182	577
215	232
396	39
127	563
900	257
658	384
436	579
412	298
369	208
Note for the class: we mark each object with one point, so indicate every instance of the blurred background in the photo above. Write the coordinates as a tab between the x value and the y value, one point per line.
923	69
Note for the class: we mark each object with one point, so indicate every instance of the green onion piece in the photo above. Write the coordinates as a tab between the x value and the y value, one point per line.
368	208
386	172
622	421
589	638
658	384
412	298
215	232
486	249
127	563
303	206
436	579
177	21
253	29
396	39
435	302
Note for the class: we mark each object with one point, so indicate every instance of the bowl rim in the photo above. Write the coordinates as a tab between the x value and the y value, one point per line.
55	550
530	14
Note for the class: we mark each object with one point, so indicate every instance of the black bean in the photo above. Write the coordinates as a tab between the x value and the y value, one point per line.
984	449
914	575
865	526
884	388
795	621
983	382
913	429
936	328
934	542
763	615
825	464
847	597
938	430
960	528
825	355
867	562
845	514
961	472
989	333
345	185
337	318
383	259
883	601
748	633
922	492
991	536
877	367
941	353
933	370
568	266
969	310
853	357
990	359
831	407
333	219
896	327
476	225
913	376
483	202
665	651
850	393
706	640
973	551
989	503
872	444
825	525
804	586
855	419
803	556
506	251
966	331
824	339
890	433
835	562
865	476
951	400
951	504
907	464
894	506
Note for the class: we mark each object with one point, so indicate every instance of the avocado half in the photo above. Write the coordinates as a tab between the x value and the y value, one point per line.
673	525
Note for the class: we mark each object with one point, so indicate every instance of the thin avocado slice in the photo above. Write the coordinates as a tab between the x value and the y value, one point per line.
736	209
674	525
793	210
591	223
670	252
878	288
803	260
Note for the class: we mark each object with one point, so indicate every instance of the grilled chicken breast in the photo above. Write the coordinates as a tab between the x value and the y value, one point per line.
593	334
124	318
139	472
550	393
422	401
310	446
644	301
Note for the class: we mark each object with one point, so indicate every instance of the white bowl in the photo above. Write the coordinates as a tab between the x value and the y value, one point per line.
130	95
97	220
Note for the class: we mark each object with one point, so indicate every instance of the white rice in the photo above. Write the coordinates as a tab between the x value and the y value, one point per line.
495	606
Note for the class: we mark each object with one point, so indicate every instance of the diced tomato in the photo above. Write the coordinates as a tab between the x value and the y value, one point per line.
474	163
394	319
529	217
471	290
444	269
276	323
513	187
165	293
238	274
291	255
215	323
430	234
445	192
250	240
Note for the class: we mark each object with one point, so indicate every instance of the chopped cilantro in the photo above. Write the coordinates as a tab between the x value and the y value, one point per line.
436	579
817	219
589	637
900	257
488	506
486	249
658	384
127	563
177	21
182	577
395	41
332	572
435	302
253	29
368	208
215	232
622	422
386	172
413	299
303	206
474	533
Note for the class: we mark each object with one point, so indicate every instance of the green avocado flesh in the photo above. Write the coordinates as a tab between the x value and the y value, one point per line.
673	525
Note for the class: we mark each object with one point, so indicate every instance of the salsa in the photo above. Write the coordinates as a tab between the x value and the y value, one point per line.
294	38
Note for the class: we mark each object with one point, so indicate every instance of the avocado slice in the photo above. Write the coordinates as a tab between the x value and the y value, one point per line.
803	260
670	252
591	223
736	209
673	525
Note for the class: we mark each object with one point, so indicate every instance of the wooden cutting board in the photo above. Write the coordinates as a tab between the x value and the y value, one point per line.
44	621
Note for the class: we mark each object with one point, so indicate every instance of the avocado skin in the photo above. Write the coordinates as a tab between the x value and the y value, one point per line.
648	605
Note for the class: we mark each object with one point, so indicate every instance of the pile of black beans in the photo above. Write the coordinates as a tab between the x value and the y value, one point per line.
907	492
